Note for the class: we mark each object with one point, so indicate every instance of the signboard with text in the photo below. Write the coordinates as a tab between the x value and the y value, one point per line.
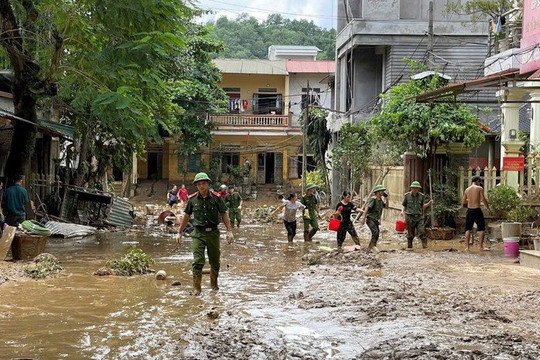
530	40
513	163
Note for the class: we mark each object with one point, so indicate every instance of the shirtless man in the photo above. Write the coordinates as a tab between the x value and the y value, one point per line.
472	197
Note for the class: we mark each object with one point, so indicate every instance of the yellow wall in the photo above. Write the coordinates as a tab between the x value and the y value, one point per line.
250	84
142	166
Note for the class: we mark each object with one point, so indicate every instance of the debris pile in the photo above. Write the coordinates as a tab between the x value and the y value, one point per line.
134	262
45	265
357	257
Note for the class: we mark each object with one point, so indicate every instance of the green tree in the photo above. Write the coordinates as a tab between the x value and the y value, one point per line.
108	58
407	125
245	37
352	154
196	89
479	9
318	137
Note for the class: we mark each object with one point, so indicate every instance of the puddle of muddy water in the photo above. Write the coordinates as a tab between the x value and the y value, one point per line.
81	315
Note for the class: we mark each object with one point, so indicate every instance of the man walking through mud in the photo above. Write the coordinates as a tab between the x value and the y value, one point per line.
472	198
234	202
309	200
207	209
414	204
373	212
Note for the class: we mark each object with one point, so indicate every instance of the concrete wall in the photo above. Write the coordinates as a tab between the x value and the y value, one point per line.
298	82
249	84
368	77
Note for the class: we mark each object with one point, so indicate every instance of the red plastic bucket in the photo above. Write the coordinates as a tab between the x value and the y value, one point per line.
401	225
511	246
334	224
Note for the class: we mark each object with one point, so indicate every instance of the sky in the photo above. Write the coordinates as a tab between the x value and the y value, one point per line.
321	12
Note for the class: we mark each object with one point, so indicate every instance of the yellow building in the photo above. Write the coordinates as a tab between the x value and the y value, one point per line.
256	130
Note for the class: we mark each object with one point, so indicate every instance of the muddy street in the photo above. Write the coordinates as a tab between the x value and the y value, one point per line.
276	302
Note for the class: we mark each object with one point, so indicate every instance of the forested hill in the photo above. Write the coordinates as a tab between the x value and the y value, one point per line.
246	38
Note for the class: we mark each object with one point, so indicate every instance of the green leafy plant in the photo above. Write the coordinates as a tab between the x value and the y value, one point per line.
521	214
445	203
353	151
502	200
134	262
315	177
45	265
423	128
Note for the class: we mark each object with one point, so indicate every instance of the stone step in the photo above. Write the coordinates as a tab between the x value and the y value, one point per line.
530	258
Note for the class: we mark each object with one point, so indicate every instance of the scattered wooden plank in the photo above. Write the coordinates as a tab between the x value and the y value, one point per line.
5	241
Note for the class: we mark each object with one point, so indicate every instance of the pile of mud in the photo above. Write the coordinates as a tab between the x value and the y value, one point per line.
359	258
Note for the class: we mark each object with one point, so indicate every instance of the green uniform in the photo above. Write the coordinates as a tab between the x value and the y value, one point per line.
206	216
414	216
310	202
233	202
373	218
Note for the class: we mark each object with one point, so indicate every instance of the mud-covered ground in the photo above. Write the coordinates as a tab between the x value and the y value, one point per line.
439	303
400	305
10	271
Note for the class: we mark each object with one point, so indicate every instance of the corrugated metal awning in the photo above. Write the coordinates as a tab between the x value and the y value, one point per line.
493	81
68	230
252	66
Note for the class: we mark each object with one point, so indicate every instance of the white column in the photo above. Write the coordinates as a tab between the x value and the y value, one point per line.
510	143
535	122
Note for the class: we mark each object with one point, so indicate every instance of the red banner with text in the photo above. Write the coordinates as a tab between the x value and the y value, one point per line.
513	163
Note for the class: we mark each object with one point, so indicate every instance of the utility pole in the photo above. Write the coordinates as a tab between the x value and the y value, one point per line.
430	37
304	142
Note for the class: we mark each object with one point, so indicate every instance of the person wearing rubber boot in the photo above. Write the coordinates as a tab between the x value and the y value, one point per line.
372	213
344	209
414	203
207	209
234	203
309	200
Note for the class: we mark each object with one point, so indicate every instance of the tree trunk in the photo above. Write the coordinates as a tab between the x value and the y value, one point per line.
84	139
24	134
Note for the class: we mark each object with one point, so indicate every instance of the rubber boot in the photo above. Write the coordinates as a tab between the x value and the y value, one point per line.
197	285
409	244
372	244
311	234
424	243
213	279
306	236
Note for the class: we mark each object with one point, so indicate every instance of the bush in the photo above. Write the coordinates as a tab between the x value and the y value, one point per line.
521	214
135	261
502	200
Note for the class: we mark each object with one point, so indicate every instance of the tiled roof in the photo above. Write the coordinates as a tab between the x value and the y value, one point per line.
311	66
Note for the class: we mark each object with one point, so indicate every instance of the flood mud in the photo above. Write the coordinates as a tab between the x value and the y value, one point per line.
276	301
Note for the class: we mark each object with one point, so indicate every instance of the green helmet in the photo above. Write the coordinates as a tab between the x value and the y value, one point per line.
310	186
201	176
379	188
415	184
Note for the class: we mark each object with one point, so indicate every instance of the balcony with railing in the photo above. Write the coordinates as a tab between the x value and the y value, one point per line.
250	120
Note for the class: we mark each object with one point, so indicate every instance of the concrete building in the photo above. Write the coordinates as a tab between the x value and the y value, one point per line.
261	124
374	38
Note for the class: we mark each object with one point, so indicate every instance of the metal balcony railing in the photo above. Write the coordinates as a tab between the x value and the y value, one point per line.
248	120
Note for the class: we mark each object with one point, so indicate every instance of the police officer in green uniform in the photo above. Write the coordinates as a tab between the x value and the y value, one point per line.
207	209
234	203
373	211
414	204
309	200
